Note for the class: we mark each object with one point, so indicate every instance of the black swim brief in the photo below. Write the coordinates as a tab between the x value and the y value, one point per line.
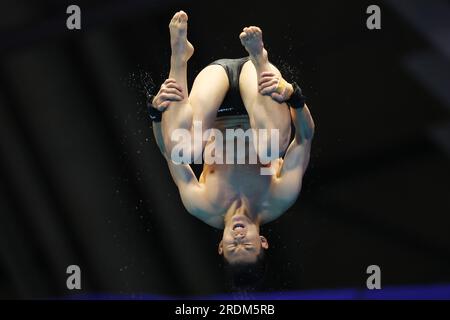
232	104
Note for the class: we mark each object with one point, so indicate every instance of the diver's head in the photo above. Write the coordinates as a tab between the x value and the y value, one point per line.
242	248
241	242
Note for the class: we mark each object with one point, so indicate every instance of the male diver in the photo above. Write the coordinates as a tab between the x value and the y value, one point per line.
228	94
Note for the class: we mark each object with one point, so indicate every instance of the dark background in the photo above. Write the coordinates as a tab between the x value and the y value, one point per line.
82	181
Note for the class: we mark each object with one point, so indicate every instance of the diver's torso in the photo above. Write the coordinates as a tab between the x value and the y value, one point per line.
228	182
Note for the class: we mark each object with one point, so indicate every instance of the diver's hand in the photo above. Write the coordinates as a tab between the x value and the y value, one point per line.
170	91
273	85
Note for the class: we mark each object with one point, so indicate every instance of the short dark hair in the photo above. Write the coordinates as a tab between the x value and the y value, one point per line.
245	276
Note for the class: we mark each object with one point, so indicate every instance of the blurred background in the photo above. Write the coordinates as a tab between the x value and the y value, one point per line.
82	181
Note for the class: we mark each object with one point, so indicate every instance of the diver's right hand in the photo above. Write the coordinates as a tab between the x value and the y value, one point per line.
170	91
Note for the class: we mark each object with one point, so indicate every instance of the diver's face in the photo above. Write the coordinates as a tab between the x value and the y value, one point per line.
241	241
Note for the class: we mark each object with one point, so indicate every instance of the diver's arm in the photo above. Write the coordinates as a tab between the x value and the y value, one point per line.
157	132
169	92
286	183
192	192
304	125
273	85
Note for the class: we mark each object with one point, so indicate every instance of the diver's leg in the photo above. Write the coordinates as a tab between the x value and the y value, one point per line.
264	112
208	91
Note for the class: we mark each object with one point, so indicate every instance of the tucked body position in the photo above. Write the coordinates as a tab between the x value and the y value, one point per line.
239	94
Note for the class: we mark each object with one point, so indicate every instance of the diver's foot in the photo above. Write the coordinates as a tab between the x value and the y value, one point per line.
182	49
251	39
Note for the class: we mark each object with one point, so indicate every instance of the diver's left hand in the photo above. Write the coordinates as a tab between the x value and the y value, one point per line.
275	86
